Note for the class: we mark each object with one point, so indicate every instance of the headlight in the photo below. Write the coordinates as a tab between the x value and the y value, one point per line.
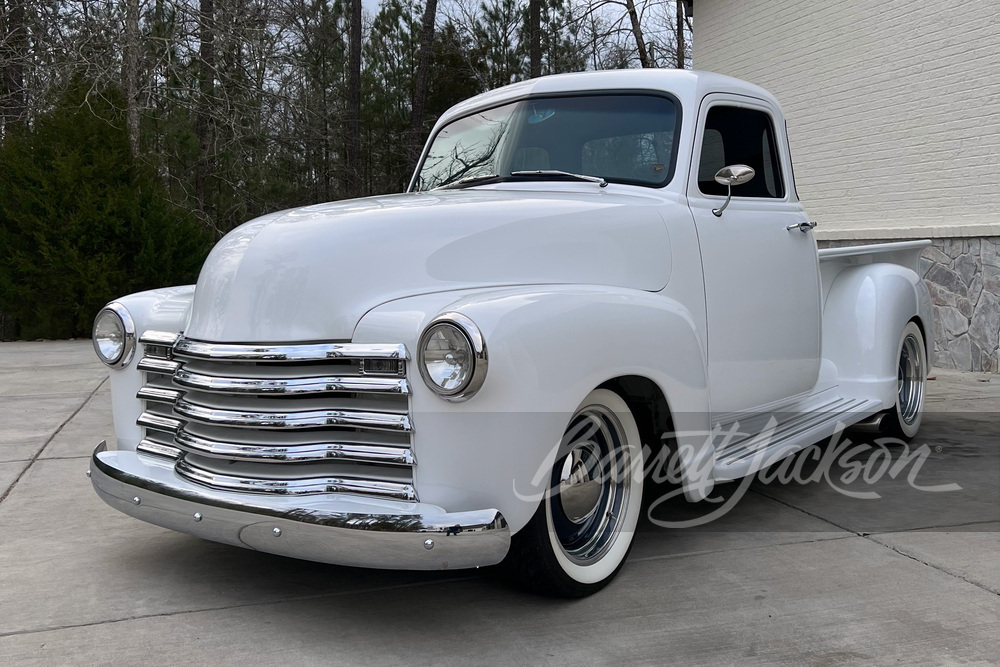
453	358
114	335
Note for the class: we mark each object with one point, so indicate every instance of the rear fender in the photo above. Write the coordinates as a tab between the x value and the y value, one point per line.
866	309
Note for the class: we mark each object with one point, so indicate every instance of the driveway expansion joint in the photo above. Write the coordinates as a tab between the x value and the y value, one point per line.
41	449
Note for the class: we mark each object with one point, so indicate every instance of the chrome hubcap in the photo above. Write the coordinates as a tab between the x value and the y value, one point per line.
580	483
591	485
910	380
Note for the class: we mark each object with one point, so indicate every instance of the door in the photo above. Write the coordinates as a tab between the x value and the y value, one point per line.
762	286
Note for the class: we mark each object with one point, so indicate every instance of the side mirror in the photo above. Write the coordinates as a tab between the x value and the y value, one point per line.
734	174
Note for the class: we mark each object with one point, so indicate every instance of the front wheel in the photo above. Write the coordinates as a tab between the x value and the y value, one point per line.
911	380
579	537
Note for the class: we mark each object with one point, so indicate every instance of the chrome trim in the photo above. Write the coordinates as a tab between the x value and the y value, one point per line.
394	536
310	385
128	327
158	365
301	486
159	394
318	451
164	338
480	356
801	226
298	352
293	419
158	449
158	422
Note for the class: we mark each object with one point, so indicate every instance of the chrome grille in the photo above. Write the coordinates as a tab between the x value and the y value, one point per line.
279	419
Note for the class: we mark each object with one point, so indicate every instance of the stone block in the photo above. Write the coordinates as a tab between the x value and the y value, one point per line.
953	247
965	307
951	321
985	325
967	266
990	252
991	279
974	247
935	255
948	279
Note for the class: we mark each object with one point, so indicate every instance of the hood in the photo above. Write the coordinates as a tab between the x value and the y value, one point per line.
312	273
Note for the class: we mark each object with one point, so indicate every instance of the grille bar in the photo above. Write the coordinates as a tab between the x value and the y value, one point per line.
310	352
158	365
292	419
159	394
298	486
159	422
162	338
315	451
308	385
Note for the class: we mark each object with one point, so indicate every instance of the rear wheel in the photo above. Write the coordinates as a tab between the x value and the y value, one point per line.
582	532
911	380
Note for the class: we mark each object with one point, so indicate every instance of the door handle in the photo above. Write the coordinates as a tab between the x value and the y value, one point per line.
801	226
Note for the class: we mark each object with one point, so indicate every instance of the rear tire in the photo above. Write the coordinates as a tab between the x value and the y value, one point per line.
903	419
581	533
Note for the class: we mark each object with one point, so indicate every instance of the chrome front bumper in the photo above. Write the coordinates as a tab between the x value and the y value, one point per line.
344	531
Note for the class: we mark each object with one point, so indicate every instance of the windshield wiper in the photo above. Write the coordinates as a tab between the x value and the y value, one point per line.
469	181
544	173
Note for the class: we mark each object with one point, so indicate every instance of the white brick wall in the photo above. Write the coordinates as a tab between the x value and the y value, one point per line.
893	107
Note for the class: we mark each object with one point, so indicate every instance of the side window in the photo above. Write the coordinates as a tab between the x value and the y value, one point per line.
735	135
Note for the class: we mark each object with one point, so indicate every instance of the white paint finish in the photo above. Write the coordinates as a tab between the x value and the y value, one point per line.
549	347
311	273
866	309
572	285
891	106
761	286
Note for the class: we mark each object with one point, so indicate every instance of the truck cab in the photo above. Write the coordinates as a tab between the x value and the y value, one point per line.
588	273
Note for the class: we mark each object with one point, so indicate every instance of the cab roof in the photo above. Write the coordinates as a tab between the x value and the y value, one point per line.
689	86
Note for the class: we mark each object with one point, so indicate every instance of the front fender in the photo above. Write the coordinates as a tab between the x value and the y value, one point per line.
863	319
548	347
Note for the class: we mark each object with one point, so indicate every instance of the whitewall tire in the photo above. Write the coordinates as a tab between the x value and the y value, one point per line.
582	532
911	381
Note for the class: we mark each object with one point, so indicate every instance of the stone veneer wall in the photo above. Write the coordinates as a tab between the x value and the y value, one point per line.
963	277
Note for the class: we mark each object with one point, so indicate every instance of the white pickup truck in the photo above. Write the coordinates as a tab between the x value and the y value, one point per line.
587	270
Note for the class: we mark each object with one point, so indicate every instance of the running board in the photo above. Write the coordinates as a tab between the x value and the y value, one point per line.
766	439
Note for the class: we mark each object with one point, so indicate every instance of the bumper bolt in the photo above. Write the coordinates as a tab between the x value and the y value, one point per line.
136	500
277	532
428	544
197	516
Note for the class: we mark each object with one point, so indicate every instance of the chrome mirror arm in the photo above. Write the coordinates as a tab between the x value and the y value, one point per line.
729	196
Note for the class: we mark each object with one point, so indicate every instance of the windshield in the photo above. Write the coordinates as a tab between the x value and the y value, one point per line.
622	138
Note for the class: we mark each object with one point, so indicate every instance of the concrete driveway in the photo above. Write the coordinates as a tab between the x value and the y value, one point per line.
796	573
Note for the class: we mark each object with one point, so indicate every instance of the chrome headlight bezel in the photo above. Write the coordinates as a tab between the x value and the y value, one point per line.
478	354
119	311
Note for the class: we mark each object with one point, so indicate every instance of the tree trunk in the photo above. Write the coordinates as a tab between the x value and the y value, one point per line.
15	52
535	29
353	144
420	83
206	84
132	74
640	44
680	35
